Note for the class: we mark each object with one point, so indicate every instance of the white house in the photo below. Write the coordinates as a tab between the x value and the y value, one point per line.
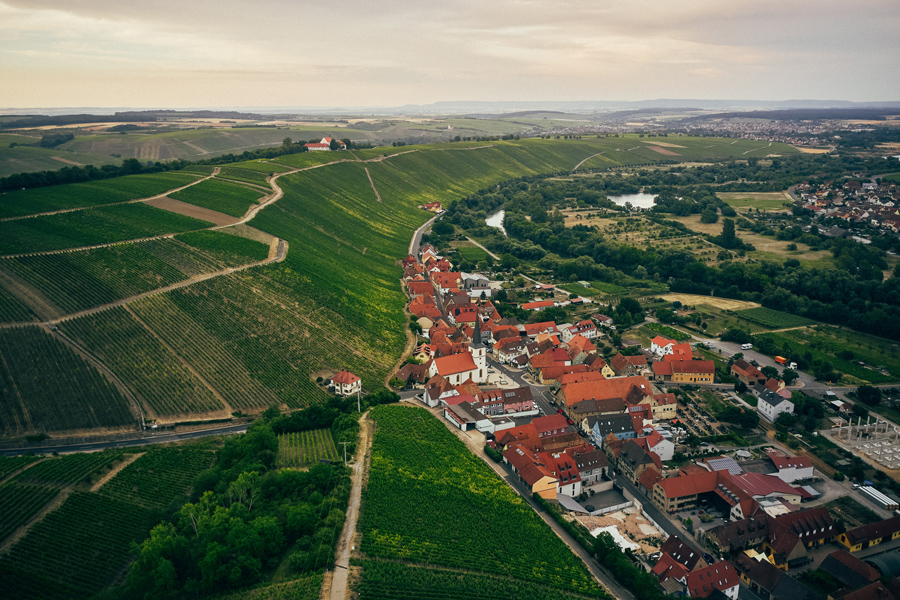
346	383
771	405
324	145
661	346
585	329
791	468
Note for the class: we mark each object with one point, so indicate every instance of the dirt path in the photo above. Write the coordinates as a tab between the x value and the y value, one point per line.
491	254
346	543
130	458
372	183
575	168
68	210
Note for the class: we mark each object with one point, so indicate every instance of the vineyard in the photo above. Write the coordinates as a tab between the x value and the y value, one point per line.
79	280
248	175
11	310
228	198
70	469
307	587
393	581
94	193
430	500
11	464
18	503
304	448
772	319
46	386
159	477
75	551
669	332
91	227
155	375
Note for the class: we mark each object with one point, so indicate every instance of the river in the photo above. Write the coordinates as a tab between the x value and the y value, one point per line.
496	220
637	200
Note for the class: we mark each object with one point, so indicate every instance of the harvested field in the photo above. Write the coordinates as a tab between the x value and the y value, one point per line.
806	150
190	210
664	144
631	524
722	303
663	151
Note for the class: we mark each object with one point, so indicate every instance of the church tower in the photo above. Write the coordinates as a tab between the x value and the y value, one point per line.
479	353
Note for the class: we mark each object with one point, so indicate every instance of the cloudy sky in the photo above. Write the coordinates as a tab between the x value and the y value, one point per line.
218	53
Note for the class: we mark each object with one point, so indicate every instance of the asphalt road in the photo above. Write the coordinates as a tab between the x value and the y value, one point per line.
142	441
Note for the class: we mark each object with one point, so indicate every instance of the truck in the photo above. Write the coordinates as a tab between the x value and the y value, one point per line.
746	346
781	360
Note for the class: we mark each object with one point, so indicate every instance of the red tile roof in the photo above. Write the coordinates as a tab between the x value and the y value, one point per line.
718	576
538	304
455	363
345	378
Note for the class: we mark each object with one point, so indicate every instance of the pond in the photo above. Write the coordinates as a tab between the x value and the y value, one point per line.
637	200
496	220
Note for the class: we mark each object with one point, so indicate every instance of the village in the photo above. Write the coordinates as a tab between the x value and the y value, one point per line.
874	204
601	439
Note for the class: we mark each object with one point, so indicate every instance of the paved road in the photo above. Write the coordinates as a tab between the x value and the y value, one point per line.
142	441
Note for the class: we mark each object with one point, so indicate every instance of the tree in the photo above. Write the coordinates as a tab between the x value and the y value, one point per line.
728	238
442	228
869	395
770	372
664	315
789	376
509	262
708	216
286	141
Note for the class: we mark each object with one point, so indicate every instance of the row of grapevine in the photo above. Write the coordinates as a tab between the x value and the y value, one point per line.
11	464
11	310
222	196
237	173
70	469
45	385
155	375
773	319
260	166
93	193
84	279
92	227
468	517
395	581
19	502
304	448
75	551
204	352
307	587
159	477
76	281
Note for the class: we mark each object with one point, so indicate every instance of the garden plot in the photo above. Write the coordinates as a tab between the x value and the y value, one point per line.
631	525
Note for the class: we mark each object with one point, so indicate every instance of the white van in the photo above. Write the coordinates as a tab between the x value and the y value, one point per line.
746	346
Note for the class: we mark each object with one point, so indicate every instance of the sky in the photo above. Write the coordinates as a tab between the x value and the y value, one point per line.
235	53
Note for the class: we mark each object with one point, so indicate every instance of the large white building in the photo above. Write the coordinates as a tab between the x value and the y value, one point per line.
771	405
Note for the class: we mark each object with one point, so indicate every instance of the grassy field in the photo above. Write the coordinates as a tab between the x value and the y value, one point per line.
758	201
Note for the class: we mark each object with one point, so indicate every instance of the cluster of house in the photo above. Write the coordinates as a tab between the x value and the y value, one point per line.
874	204
774	397
769	539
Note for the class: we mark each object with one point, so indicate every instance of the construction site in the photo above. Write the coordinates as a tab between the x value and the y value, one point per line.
879	440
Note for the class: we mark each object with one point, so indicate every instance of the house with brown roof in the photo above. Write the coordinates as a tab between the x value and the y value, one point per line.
746	373
507	401
718	576
681	551
634	459
739	535
870	535
593	465
628	366
414	376
698	372
770	583
346	383
550	425
848	570
545	473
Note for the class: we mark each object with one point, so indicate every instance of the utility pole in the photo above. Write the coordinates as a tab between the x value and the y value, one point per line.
358	409
345	452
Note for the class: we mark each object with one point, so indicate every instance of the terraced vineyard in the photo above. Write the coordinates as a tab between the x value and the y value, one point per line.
159	477
473	520
93	193
304	448
154	374
91	227
11	464
46	386
307	587
247	175
228	198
